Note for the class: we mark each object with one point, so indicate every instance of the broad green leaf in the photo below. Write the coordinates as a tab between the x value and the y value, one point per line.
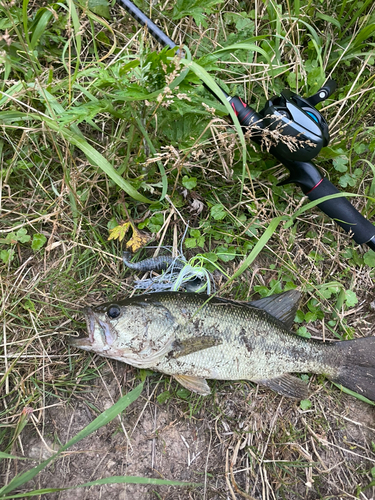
305	404
189	182
369	258
226	254
218	212
38	241
195	8
350	298
7	255
302	332
190	242
100	7
341	163
300	317
310	316
195	233
22	235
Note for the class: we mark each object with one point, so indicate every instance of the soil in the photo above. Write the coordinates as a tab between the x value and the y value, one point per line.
242	442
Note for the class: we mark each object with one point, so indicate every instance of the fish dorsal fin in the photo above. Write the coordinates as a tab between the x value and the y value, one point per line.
282	306
287	385
194	384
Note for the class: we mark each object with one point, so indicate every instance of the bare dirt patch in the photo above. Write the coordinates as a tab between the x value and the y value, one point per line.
241	442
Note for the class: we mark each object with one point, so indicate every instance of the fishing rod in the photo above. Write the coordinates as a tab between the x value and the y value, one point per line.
294	118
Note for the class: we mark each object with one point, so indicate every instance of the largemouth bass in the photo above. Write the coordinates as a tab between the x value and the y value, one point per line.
196	337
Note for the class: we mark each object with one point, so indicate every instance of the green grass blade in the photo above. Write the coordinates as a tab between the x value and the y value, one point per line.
137	480
210	82
354	394
6	455
258	247
54	107
14	89
106	480
77	39
364	34
39	26
329	19
106	417
25	4
250	47
356	15
99	160
163	175
312	31
92	154
103	419
313	204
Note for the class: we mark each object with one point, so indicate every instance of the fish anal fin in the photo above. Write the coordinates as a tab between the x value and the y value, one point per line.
194	384
287	385
282	306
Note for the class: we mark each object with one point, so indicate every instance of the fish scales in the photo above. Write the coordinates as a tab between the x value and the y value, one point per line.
195	337
248	338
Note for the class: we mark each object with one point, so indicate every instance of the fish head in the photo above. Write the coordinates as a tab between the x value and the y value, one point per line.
101	324
134	331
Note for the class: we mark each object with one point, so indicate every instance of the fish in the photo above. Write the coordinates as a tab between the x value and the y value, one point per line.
195	337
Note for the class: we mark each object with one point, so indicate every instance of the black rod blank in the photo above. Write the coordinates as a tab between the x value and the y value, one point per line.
138	15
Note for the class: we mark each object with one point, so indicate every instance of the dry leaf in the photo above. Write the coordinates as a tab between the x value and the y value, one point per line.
119	232
138	240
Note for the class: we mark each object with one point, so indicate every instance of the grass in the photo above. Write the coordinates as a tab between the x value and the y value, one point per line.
100	125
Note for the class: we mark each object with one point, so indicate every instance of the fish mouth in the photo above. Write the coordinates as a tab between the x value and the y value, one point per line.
102	341
85	342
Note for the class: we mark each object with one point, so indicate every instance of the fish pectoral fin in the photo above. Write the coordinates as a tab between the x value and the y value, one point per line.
287	385
194	384
188	346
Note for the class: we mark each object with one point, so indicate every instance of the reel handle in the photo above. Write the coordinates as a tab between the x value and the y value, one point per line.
327	90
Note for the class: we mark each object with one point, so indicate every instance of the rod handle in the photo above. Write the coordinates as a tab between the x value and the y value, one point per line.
343	213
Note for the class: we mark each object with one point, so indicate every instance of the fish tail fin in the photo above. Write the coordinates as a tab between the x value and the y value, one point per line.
357	369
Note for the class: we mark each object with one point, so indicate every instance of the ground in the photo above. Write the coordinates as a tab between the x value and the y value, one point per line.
241	442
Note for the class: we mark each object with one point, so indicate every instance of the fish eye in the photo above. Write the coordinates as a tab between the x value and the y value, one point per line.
113	311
